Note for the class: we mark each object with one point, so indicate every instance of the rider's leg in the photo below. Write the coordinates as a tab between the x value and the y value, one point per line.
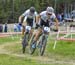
30	23
23	30
31	32
37	34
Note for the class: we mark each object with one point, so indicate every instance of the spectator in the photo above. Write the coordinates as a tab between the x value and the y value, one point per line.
1	28
15	28
62	14
5	27
59	17
19	28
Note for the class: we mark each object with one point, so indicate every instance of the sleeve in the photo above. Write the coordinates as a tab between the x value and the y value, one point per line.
53	16
41	13
25	13
25	19
36	13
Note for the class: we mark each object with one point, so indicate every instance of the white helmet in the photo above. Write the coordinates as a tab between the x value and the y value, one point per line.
50	10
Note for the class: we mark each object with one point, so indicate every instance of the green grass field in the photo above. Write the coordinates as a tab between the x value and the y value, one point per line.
11	53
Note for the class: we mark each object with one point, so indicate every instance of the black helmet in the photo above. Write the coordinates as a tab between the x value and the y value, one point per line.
32	9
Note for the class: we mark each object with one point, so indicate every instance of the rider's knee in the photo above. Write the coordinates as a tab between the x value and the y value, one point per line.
38	33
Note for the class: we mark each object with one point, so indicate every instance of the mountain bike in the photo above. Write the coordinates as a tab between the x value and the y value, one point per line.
26	38
42	41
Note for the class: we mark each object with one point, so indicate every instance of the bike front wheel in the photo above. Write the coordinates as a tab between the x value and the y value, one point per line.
32	49
42	43
25	42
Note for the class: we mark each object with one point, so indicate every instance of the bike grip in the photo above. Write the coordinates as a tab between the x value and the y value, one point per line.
55	30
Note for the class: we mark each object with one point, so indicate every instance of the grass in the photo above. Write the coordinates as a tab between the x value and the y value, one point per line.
9	39
65	51
13	60
16	48
73	36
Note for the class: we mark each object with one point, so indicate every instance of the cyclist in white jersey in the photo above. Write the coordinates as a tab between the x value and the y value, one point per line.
45	18
29	18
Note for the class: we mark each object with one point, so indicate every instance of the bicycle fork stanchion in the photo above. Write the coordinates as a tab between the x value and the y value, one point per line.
56	40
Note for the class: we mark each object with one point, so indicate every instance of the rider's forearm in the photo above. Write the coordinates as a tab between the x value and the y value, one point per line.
20	18
56	23
37	19
24	23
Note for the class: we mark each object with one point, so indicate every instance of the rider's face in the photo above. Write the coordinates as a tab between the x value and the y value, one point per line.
31	13
49	14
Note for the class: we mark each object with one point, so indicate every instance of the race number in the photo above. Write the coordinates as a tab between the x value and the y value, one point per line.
47	29
28	27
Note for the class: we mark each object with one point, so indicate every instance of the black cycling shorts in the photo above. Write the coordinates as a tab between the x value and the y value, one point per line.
43	23
29	22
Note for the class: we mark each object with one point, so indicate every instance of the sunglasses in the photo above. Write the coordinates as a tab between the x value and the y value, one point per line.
49	13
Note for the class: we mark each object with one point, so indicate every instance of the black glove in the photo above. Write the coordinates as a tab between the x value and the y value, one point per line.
55	30
20	24
37	25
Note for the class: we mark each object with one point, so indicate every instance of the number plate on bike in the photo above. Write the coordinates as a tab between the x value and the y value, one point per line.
28	27
47	29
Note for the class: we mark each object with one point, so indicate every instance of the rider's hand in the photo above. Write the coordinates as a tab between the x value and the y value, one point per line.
20	24
37	25
55	30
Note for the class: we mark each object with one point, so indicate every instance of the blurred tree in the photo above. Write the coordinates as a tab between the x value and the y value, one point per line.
12	9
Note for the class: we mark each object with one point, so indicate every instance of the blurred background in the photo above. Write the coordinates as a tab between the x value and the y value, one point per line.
10	10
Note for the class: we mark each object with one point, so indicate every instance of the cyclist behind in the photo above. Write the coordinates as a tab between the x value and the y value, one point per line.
44	17
29	19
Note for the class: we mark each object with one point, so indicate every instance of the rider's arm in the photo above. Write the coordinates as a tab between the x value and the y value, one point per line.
56	23
37	19
34	19
55	20
24	21
20	18
23	15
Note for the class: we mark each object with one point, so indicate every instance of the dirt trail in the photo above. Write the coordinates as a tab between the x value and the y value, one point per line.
41	59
